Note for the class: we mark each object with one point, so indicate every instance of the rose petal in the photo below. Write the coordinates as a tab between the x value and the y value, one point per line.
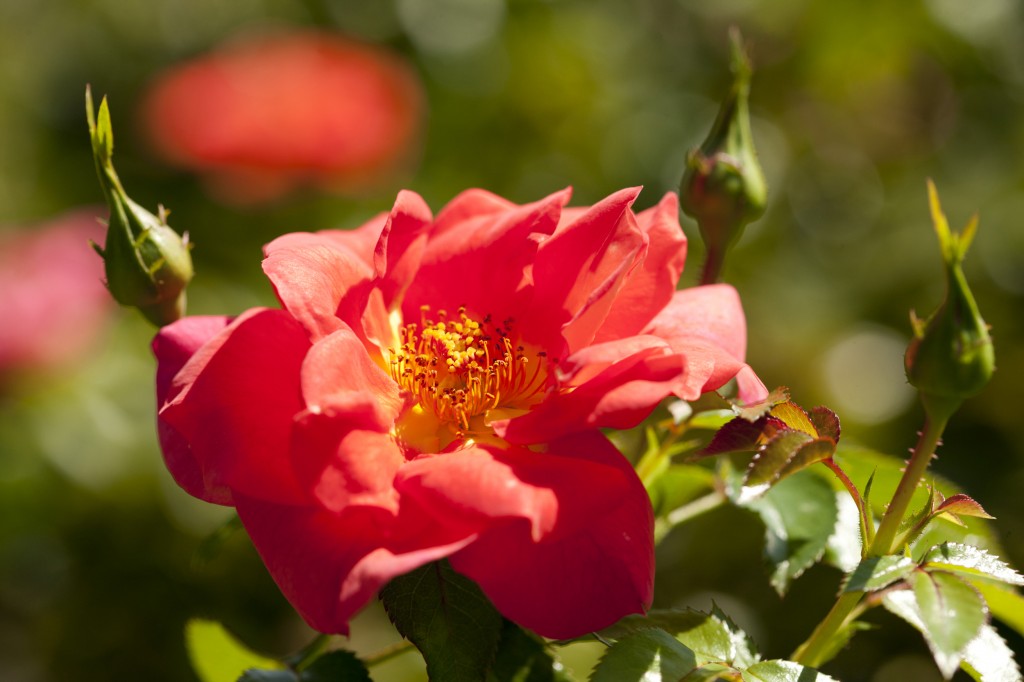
173	347
321	280
485	262
579	270
712	312
649	287
478	486
596	567
233	403
330	565
400	248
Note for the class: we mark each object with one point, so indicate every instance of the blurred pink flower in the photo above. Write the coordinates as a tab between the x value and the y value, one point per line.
263	114
54	302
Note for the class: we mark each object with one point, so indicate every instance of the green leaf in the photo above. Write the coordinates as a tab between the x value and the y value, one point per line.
945	609
799	514
783	671
874	573
971	562
845	546
989	659
713	637
448	618
523	657
216	655
651	655
1004	603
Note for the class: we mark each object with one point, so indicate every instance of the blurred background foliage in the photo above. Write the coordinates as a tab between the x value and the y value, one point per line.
855	103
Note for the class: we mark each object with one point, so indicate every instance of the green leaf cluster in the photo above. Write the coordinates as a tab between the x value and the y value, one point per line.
938	594
689	645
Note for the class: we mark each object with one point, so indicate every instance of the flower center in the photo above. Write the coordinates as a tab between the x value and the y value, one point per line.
461	370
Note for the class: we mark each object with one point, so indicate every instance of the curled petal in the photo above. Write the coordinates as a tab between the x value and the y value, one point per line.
478	486
234	401
337	372
483	262
650	286
173	347
580	269
320	279
330	565
713	313
343	461
596	566
400	247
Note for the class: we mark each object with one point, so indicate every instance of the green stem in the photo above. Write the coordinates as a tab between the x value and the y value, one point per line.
309	653
713	261
688	511
865	514
387	653
695	508
813	652
912	475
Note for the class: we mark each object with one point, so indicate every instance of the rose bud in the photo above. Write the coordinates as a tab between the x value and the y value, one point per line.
723	187
951	356
148	264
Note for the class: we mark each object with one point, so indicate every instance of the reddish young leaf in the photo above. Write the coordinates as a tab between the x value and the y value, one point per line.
771	459
962	505
826	422
736	436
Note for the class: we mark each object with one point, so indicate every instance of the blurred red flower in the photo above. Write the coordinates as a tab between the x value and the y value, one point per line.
265	113
433	387
54	302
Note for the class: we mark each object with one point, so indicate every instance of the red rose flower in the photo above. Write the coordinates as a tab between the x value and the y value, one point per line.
54	303
433	387
265	113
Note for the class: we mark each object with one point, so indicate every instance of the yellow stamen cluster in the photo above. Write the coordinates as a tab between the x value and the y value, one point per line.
461	368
